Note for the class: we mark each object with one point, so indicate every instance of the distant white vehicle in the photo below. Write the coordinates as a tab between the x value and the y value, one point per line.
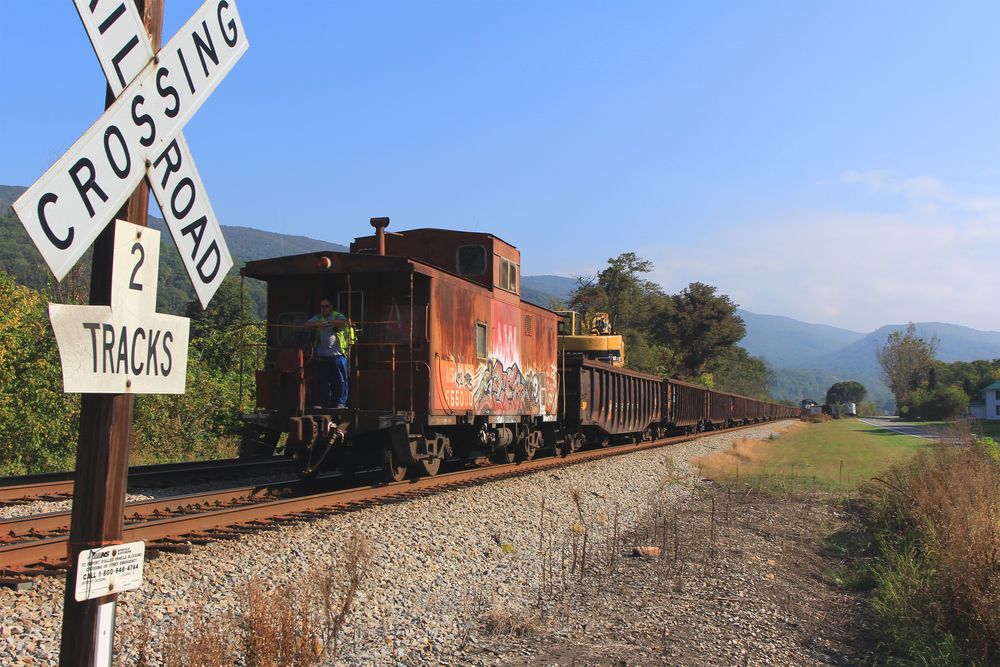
850	410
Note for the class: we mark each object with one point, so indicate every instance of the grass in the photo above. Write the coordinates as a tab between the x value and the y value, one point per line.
982	428
833	455
928	549
987	429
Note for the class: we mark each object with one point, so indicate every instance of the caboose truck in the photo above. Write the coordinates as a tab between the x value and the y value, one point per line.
449	361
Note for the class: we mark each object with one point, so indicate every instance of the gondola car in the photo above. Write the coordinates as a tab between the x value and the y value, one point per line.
602	404
685	406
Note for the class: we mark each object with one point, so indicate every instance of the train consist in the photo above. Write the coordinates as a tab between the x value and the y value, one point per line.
449	362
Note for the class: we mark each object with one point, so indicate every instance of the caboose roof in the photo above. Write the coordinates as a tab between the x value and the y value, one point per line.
440	232
311	264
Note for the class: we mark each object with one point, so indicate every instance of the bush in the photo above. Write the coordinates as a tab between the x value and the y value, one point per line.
943	402
201	423
38	422
938	571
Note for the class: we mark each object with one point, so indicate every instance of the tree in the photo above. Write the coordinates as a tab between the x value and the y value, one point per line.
971	376
845	392
698	325
904	360
941	402
738	372
216	330
38	422
631	302
641	355
621	292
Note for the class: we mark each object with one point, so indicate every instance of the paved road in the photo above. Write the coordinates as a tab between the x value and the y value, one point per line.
906	428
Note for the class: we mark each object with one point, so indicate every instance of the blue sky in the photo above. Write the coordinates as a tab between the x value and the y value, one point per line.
835	162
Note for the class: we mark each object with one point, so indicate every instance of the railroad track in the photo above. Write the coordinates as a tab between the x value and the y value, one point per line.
59	486
37	545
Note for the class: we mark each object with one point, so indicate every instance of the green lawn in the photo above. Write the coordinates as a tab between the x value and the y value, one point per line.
836	454
989	429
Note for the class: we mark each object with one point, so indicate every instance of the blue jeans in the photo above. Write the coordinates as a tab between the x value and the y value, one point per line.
330	381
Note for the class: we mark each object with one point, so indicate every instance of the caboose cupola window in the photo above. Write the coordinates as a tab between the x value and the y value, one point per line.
471	260
508	275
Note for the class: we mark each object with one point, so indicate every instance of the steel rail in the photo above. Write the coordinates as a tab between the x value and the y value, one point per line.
17	529
49	554
59	486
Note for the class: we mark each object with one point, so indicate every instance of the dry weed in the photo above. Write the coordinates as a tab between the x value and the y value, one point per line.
278	627
510	622
289	626
337	605
195	641
950	499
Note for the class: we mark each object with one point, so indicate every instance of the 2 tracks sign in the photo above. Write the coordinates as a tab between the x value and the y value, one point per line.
124	348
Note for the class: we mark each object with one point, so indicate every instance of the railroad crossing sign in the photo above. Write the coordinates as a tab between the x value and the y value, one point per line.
124	348
139	135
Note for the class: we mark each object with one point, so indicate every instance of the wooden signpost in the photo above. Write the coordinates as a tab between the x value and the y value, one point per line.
118	345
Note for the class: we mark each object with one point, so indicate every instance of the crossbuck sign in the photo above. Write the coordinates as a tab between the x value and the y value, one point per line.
138	136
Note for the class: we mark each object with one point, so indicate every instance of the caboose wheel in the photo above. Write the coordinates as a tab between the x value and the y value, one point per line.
504	455
529	445
429	467
394	471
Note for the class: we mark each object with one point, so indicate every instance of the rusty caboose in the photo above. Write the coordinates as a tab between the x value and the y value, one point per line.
448	361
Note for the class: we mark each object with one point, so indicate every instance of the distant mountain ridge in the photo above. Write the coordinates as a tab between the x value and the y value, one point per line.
9	194
785	342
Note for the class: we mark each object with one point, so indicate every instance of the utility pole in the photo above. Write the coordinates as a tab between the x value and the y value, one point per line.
103	447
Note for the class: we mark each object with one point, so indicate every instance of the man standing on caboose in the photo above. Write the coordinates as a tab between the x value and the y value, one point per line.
330	361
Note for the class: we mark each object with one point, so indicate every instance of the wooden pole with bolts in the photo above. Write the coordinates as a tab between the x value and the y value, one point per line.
103	447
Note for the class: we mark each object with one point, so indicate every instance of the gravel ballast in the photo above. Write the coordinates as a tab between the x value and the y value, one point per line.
439	564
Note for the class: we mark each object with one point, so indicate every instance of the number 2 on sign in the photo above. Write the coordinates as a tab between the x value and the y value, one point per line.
132	284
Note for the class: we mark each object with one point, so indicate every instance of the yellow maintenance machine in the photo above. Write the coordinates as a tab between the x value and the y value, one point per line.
599	344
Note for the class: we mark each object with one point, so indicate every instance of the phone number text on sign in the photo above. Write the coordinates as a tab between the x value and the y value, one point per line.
111	569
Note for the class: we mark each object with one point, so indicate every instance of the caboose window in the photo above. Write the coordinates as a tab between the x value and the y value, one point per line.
352	305
289	333
471	260
508	275
481	340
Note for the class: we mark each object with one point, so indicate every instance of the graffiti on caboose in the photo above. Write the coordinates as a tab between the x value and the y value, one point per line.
505	339
499	385
491	388
507	390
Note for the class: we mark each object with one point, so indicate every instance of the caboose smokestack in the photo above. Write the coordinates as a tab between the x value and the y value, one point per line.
380	224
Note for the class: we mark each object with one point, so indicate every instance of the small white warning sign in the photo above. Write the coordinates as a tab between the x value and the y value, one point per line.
111	569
